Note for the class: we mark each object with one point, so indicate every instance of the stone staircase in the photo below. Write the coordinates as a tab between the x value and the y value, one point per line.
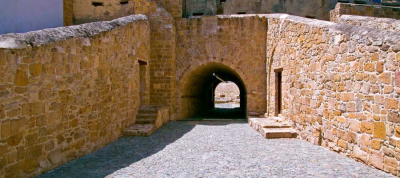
273	127
148	120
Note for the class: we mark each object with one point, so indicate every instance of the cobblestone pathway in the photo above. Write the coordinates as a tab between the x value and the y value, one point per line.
212	149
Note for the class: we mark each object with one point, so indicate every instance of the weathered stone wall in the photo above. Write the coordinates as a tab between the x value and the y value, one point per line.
68	91
162	58
364	10
98	10
341	86
237	42
371	22
307	8
68	12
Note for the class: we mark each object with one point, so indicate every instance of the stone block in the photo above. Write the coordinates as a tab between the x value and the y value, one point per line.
392	162
393	116
391	103
35	69
380	130
367	127
376	159
21	78
397	78
376	144
55	157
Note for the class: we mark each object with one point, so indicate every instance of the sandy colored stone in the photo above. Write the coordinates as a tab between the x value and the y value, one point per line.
367	127
380	130
21	78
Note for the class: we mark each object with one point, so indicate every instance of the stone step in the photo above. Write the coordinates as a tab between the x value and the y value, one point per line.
273	127
140	130
146	116
279	133
148	111
146	121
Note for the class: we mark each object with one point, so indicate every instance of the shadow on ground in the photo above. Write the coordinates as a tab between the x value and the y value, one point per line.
129	150
120	153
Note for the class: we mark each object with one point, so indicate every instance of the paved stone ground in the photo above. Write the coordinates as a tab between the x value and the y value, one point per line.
228	148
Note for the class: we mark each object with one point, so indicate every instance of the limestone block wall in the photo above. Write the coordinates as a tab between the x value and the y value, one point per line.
371	22
341	86
364	10
85	11
68	13
237	42
162	58
68	91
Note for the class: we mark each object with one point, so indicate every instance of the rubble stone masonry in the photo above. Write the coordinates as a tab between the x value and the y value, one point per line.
341	86
385	24
68	91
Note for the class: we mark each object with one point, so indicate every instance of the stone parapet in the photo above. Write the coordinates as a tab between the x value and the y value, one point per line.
68	91
371	22
364	10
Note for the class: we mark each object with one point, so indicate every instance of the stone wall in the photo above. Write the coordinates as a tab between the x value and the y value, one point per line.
162	58
364	10
232	45
98	10
371	22
341	86
68	12
68	91
307	8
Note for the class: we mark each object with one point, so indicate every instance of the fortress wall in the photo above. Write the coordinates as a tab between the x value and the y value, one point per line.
68	12
341	86
85	11
162	57
371	22
68	91
364	10
237	42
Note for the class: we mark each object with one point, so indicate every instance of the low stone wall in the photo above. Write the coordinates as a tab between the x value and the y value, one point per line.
364	10
68	91
340	86
371	22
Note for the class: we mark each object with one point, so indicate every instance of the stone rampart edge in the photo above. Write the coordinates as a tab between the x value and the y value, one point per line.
51	35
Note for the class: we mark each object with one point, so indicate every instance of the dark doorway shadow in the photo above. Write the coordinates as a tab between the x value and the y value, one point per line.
121	153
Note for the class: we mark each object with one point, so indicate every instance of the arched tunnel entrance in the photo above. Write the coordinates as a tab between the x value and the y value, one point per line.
198	92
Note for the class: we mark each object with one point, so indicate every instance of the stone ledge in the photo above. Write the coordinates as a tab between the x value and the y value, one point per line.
51	35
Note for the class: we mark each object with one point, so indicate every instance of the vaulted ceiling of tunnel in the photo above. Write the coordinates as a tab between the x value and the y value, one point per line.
201	79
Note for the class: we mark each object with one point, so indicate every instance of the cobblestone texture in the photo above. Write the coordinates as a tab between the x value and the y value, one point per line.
212	149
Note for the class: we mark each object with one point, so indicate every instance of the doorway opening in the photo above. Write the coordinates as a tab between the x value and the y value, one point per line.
227	96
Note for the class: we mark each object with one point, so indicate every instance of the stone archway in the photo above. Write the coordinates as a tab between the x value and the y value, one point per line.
197	89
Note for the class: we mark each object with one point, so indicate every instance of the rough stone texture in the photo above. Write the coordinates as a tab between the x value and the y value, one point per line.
90	11
364	10
68	91
318	9
162	57
212	149
221	45
329	85
371	22
68	12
